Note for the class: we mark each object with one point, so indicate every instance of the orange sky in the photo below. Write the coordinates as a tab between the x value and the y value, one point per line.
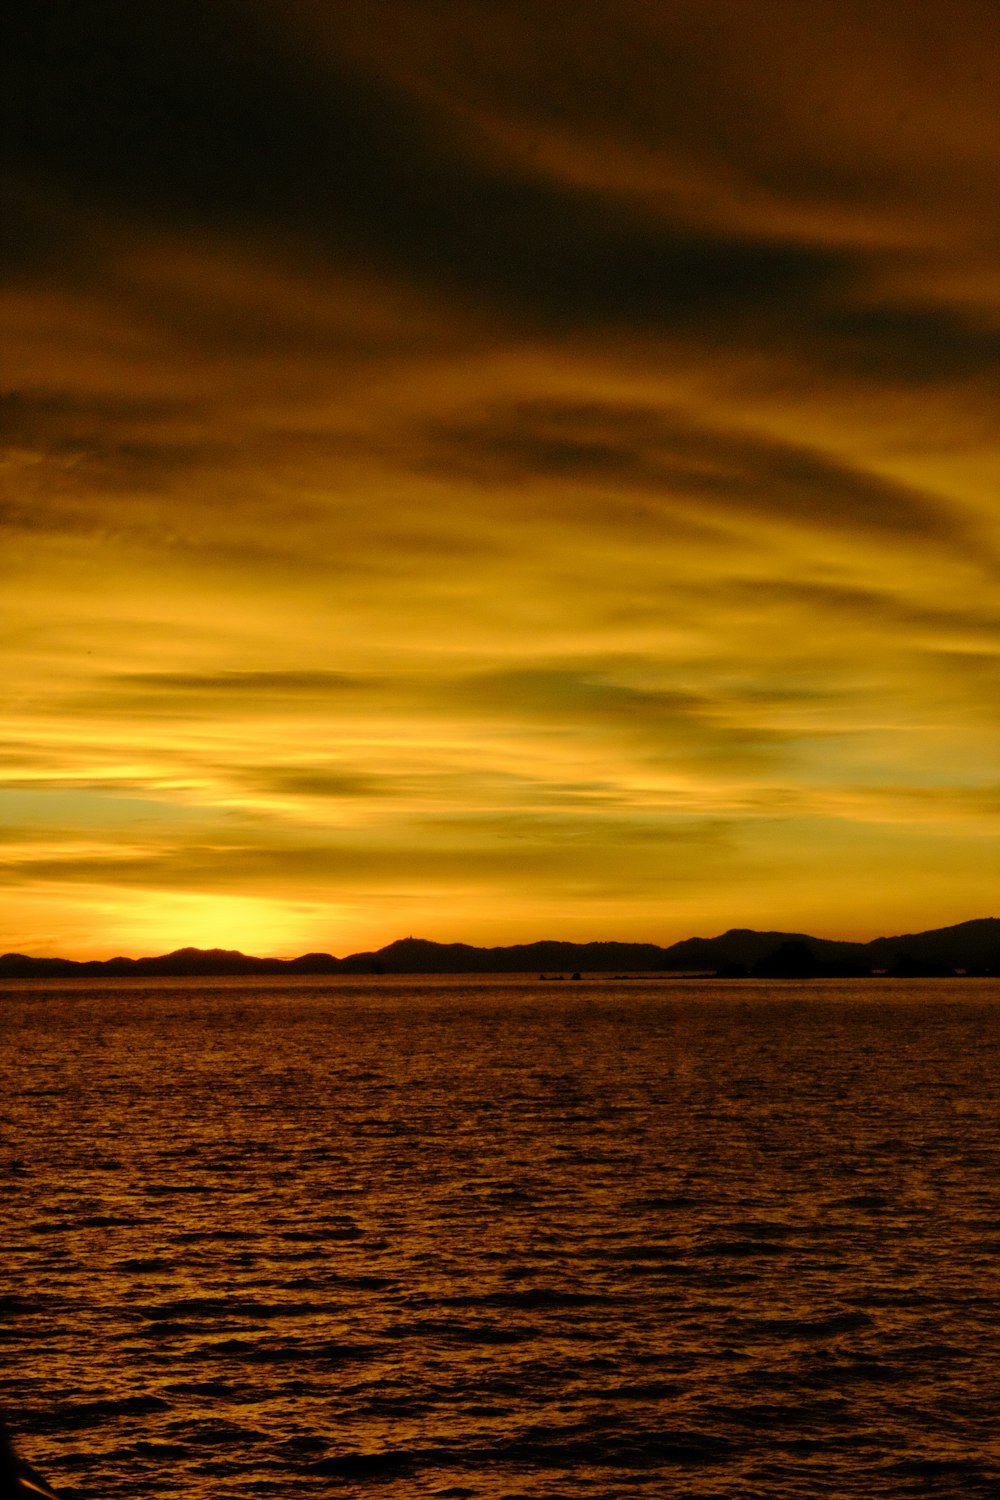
499	471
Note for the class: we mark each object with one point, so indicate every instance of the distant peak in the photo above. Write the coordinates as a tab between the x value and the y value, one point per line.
205	953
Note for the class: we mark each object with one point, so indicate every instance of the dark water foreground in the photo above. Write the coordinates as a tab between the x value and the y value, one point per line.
468	1239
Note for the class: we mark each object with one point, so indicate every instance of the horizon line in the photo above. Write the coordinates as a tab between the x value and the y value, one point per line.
15	954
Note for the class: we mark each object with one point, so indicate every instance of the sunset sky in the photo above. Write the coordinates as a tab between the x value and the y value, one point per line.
496	470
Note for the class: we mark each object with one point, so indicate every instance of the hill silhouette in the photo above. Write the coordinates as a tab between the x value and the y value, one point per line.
969	947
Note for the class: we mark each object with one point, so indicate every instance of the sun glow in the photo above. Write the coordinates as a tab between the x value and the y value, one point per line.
160	922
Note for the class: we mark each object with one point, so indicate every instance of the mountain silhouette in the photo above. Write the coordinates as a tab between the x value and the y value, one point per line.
969	947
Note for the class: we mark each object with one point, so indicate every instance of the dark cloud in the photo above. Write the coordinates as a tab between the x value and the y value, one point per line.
322	782
175	696
31	417
319	682
898	342
208	114
42	783
582	851
896	605
169	107
666	725
189	111
557	690
103	445
662	454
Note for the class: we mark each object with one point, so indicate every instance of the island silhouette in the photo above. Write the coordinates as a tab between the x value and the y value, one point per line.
968	948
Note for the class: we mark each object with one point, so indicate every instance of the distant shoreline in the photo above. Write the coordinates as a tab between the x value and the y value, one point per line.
969	948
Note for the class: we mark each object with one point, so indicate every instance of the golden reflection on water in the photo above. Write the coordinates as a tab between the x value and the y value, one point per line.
474	1238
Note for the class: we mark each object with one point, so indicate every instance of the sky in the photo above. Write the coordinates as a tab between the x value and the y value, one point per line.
498	471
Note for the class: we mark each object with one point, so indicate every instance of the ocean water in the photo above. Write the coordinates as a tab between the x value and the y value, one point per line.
497	1239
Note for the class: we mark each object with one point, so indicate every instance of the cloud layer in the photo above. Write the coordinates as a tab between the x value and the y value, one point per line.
498	471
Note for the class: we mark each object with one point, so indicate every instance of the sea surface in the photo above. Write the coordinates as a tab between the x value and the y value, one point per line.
501	1239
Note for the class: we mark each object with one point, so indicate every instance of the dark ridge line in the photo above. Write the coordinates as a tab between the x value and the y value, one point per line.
969	948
